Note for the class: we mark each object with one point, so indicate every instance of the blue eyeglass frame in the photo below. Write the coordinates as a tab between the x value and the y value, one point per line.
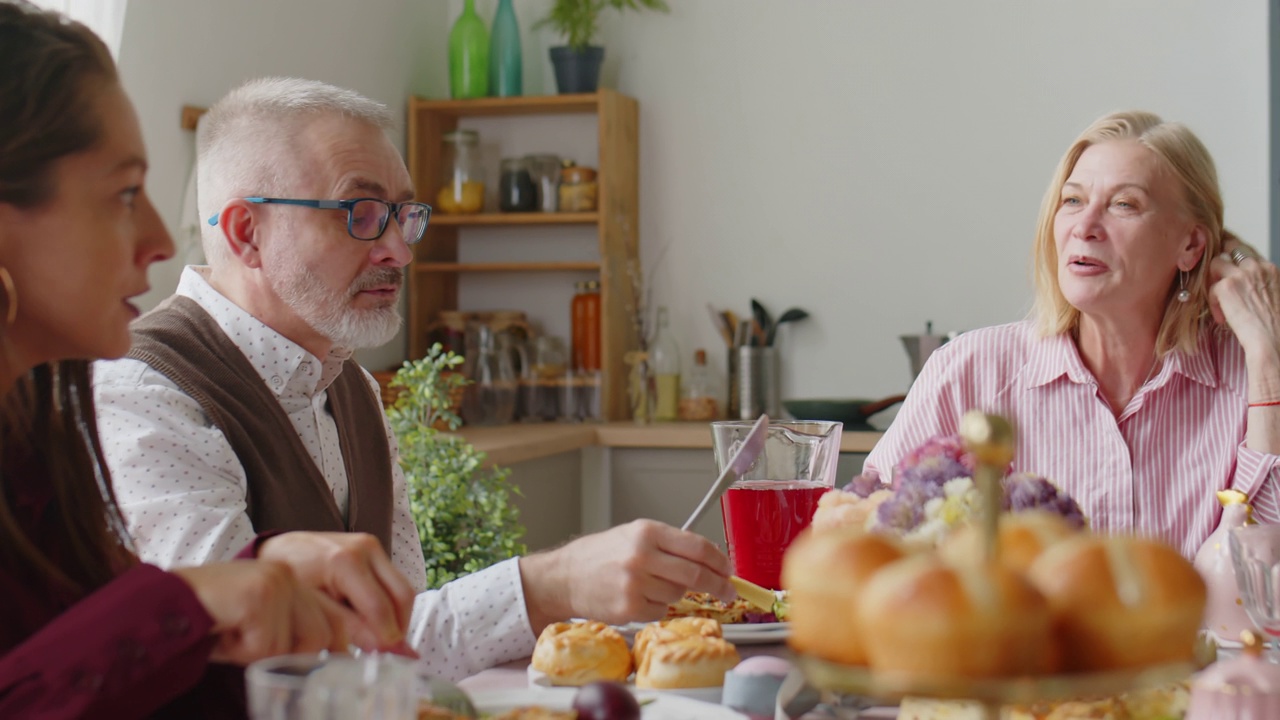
393	210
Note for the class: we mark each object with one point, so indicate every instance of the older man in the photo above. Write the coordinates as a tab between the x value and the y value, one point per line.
239	409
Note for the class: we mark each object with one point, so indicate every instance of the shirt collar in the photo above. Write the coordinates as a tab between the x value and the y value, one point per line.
1056	356
285	367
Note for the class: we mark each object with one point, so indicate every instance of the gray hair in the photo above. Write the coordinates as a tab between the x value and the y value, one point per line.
245	136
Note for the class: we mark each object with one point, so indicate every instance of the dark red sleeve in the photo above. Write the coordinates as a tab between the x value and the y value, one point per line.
250	551
122	652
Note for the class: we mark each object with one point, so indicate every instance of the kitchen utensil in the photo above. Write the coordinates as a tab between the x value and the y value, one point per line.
738	464
764	321
756	379
920	347
743	334
853	413
721	324
791	315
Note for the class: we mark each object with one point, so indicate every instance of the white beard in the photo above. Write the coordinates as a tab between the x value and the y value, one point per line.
330	313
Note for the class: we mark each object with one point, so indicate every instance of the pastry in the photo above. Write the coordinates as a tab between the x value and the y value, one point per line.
706	605
1023	537
672	629
824	572
1121	602
691	662
927	620
582	652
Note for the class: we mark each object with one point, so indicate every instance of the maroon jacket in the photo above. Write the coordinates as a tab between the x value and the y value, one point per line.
137	647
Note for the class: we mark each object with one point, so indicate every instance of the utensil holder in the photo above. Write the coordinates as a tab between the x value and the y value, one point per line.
754	384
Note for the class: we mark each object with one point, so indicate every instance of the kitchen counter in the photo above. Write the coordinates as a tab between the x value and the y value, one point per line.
509	444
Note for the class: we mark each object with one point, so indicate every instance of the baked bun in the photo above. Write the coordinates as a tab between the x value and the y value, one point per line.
928	620
670	630
824	572
691	662
1121	602
581	652
1023	537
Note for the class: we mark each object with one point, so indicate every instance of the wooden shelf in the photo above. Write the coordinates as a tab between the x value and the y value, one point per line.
529	105
534	218
452	267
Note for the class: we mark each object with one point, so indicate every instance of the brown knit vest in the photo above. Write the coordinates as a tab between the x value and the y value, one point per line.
286	491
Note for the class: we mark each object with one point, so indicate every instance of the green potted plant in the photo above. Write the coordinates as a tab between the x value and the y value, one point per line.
464	512
577	62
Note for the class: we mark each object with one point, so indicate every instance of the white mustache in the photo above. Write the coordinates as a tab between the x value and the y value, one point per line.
377	277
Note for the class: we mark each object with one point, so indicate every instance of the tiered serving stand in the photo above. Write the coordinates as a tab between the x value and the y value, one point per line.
847	688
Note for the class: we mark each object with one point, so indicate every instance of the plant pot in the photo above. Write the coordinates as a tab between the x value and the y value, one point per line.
577	71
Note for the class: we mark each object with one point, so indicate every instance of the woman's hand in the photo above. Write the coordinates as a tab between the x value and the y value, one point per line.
260	609
1245	296
353	569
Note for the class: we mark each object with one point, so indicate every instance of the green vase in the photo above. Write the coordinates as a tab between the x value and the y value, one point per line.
505	59
469	55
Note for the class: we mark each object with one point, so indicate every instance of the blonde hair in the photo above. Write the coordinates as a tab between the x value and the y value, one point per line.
1188	161
247	137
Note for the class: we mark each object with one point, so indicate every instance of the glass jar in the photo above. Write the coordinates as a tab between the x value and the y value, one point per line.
542	385
516	191
577	189
462	176
584	314
545	169
490	399
700	394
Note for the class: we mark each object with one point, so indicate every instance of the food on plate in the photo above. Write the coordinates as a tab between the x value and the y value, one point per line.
924	619
752	687
672	629
581	652
706	605
1164	703
1121	602
534	713
605	701
824	573
427	711
1022	538
689	662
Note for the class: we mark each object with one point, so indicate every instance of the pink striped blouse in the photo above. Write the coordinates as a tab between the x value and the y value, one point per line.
1153	471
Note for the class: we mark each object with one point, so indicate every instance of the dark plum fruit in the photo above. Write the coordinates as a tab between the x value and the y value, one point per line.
606	701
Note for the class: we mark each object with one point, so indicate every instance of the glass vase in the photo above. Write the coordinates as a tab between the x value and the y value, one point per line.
469	55
641	388
506	74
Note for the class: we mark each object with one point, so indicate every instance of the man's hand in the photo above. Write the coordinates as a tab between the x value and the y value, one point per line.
260	610
628	573
353	569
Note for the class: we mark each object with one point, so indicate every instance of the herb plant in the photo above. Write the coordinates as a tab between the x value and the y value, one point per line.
464	512
579	20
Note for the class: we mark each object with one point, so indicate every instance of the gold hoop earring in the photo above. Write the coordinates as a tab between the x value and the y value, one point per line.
10	297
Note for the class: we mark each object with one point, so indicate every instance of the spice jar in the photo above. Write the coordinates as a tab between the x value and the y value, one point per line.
462	179
516	191
577	189
700	399
584	314
545	170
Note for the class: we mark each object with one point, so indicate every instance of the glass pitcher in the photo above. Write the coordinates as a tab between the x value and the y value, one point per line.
769	504
490	399
548	363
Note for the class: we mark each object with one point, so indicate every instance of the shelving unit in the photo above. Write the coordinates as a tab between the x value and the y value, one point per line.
433	284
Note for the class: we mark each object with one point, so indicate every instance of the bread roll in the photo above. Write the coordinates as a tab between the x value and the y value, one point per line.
581	652
691	662
673	629
1023	536
1120	602
823	573
927	620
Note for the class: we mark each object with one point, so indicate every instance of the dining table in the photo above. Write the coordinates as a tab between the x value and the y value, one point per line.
514	675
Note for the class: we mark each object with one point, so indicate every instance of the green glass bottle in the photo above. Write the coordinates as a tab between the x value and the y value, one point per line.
469	55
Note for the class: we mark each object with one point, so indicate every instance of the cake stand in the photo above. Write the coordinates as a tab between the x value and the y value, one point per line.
990	439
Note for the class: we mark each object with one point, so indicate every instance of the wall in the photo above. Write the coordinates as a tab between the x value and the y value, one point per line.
881	163
177	52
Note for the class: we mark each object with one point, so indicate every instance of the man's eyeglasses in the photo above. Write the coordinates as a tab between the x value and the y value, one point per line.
366	217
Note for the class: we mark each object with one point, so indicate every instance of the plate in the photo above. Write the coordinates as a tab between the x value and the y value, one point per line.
539	681
663	706
736	633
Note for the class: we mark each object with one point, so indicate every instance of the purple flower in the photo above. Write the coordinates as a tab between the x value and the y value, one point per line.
905	509
937	460
1027	491
864	484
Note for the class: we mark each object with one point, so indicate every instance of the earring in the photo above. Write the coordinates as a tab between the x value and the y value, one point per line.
10	297
1183	294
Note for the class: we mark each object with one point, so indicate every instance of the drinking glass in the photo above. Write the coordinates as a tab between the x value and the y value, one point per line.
1255	553
332	687
769	504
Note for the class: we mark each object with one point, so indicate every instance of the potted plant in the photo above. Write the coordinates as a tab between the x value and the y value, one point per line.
464	512
577	62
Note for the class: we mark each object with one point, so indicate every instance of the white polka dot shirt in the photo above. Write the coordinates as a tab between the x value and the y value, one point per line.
183	491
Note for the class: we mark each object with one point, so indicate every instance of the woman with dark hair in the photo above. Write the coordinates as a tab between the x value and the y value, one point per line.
87	630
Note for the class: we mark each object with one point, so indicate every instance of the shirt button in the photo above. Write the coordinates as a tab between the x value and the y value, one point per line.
275	380
175	625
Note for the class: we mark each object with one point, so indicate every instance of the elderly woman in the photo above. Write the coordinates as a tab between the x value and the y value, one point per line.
88	630
1149	375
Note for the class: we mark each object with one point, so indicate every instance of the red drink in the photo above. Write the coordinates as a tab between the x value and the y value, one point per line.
761	518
